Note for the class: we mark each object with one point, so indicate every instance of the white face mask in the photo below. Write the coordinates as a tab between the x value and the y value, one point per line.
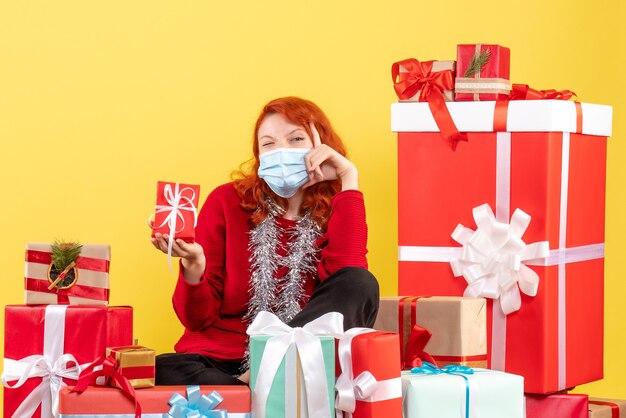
284	170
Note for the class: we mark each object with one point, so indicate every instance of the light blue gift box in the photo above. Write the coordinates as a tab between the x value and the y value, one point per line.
479	393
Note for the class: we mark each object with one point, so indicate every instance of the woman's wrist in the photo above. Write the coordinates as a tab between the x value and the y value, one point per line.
350	179
193	268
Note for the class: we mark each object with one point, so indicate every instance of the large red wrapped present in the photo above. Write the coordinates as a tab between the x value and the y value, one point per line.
482	72
87	283
159	401
369	385
46	347
607	408
546	158
558	405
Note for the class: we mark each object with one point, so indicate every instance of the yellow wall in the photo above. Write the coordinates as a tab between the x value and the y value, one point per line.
99	100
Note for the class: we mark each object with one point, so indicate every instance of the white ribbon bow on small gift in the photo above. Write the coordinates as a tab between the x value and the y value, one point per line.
311	358
364	387
493	257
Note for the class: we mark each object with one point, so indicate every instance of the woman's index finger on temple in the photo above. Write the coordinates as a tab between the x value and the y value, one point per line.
316	136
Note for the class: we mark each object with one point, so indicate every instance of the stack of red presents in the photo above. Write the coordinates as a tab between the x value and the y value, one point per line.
501	243
501	196
68	354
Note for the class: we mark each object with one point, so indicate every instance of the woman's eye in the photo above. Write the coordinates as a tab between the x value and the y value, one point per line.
267	144
297	138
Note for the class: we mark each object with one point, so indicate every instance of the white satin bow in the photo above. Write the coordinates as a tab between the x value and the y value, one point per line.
47	393
493	257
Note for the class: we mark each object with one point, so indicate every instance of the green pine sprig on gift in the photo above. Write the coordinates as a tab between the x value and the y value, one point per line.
64	253
477	63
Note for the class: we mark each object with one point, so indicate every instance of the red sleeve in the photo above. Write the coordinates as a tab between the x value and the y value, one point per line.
198	305
345	241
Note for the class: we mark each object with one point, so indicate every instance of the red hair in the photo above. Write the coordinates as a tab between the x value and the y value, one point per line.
253	190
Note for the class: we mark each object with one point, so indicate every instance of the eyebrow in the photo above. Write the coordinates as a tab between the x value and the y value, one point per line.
290	133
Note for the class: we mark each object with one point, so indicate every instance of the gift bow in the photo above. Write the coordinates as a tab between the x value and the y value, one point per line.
420	77
414	354
52	374
453	369
525	92
107	367
196	405
177	203
311	357
429	368
493	256
364	387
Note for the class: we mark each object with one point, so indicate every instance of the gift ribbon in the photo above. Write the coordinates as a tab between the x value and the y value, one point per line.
53	366
365	387
137	372
415	354
431	85
451	369
407	308
82	262
461	359
177	202
196	405
614	407
63	295
311	358
108	368
525	92
559	256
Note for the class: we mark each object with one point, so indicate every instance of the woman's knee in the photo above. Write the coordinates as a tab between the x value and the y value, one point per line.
358	280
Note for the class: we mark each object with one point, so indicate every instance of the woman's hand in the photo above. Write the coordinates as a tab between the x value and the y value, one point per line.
192	255
324	163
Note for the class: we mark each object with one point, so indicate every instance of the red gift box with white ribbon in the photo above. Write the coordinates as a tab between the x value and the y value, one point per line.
176	213
46	347
546	158
369	384
176	210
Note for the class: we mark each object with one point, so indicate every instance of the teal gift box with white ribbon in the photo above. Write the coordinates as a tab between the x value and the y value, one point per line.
292	370
461	392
